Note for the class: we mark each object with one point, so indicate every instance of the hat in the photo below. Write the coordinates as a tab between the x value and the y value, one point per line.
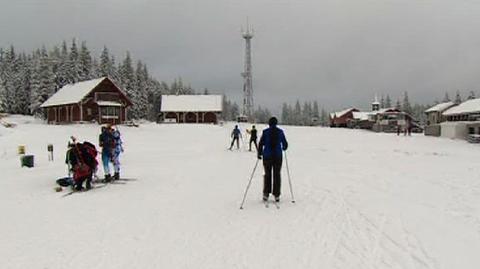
272	121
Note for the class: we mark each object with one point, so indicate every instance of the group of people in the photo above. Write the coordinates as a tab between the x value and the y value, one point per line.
82	161
81	158
237	135
270	149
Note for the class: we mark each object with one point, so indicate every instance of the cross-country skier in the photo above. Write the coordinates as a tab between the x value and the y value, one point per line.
253	138
271	145
116	153
107	143
236	135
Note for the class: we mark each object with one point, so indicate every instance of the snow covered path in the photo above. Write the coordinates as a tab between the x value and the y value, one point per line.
364	200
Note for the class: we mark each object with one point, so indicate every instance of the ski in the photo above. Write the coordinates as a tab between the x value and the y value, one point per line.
84	190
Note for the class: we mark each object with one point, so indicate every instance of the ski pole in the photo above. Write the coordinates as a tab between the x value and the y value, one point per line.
249	183
289	178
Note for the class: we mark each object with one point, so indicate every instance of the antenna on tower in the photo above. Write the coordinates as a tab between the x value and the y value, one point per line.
247	108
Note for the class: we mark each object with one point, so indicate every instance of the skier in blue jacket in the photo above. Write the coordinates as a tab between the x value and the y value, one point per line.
271	147
236	135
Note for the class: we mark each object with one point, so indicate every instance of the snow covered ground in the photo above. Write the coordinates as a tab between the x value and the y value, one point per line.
364	200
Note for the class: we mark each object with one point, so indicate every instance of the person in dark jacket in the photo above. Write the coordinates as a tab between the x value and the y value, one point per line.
107	143
253	139
271	147
236	135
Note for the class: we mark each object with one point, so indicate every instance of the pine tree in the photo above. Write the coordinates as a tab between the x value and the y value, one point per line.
297	114
127	80
471	95
285	116
458	98
324	119
42	84
141	87
105	67
407	108
85	63
73	65
10	74
398	105
307	114
446	98
3	98
62	74
388	102
382	102
316	112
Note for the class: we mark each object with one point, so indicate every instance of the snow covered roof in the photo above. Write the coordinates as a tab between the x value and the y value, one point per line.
386	110
191	103
72	93
341	113
440	107
108	103
361	115
469	106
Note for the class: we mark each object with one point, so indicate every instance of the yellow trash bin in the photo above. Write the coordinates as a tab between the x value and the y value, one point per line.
21	150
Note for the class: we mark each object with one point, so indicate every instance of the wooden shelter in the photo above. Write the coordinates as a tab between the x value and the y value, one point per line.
191	108
98	100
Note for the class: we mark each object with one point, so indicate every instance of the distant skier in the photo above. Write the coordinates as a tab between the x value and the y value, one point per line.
118	149
107	143
253	138
236	135
271	145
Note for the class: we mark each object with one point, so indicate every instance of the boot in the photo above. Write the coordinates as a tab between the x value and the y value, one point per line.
265	197
88	185
116	176
277	199
78	187
108	178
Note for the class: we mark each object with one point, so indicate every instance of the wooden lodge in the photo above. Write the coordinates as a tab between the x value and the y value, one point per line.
191	108
98	100
342	118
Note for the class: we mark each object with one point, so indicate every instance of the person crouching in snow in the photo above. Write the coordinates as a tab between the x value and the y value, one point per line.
107	143
118	149
236	135
82	162
271	144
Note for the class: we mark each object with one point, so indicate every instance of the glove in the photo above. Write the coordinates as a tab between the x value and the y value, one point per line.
259	156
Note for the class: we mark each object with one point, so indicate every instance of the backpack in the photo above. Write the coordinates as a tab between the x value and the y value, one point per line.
91	154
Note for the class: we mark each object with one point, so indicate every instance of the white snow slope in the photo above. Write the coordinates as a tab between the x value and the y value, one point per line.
364	200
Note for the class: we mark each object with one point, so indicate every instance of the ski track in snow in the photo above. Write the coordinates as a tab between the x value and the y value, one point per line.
370	201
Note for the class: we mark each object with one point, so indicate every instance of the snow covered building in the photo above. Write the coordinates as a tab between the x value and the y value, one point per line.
98	100
390	119
191	108
435	117
342	118
463	120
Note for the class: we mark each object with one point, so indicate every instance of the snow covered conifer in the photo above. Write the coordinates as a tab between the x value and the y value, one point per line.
446	98
388	102
85	63
74	68
406	107
458	98
471	95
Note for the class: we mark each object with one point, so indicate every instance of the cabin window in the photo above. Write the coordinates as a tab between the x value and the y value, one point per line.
110	112
471	130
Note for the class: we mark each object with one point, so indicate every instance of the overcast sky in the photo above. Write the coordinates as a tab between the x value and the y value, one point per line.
339	52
